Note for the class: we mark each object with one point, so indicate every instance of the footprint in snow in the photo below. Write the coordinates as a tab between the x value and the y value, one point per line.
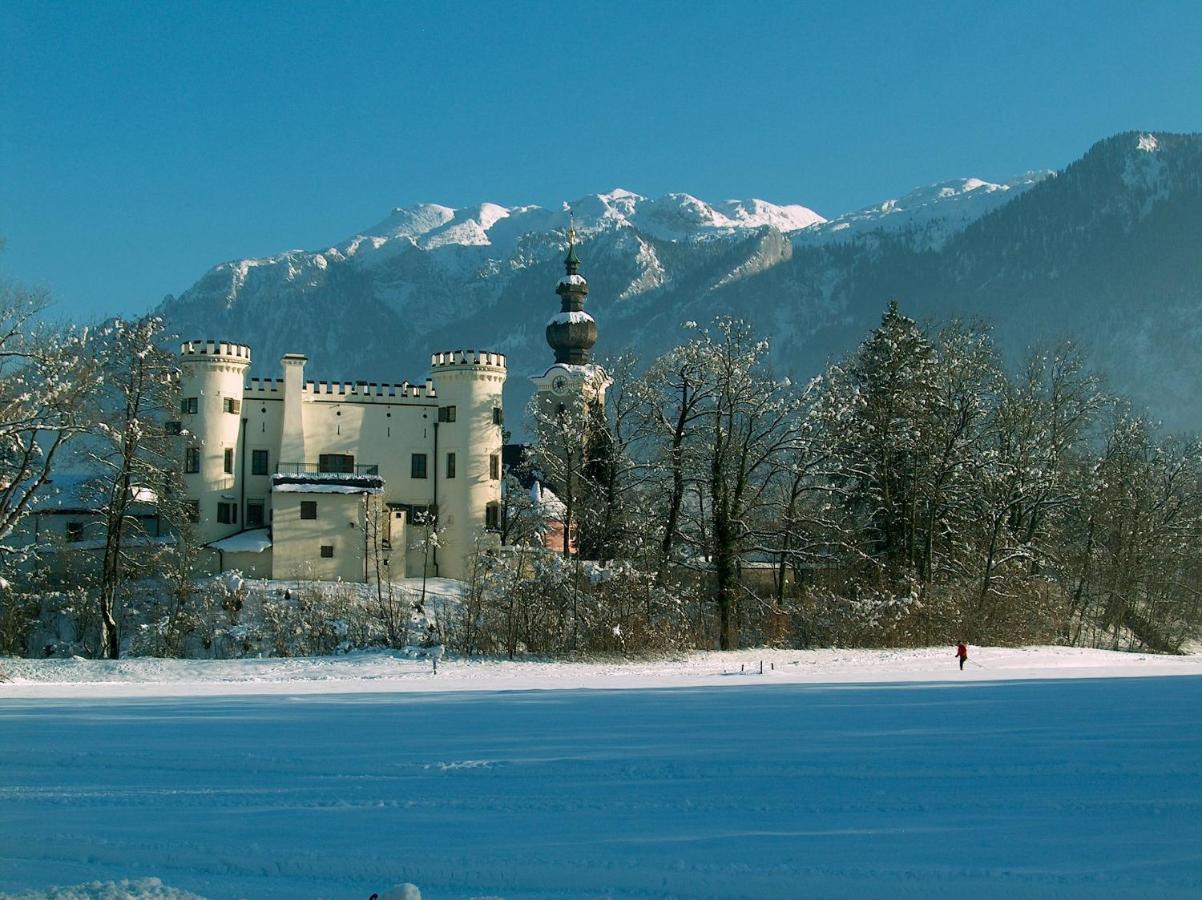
461	764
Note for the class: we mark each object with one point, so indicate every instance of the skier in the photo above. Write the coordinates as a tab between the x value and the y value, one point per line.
962	653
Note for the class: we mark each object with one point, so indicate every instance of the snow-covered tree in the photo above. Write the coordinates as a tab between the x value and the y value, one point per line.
46	376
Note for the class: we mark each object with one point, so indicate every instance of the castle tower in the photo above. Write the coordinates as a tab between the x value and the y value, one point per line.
212	378
467	459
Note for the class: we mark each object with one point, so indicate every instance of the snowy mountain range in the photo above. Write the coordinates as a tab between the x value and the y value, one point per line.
1105	251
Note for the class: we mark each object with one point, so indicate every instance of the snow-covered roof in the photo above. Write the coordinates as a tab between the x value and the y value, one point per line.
62	493
255	541
546	502
130	541
327	483
70	492
326	488
573	280
567	318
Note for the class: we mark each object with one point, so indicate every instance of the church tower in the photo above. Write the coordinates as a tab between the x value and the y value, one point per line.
569	398
571	333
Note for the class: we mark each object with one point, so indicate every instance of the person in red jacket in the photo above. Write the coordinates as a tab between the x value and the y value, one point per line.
962	653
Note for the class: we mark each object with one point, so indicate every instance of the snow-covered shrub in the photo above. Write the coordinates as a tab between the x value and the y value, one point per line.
534	600
867	618
19	612
316	618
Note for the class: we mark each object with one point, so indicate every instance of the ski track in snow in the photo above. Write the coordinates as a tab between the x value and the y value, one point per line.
741	787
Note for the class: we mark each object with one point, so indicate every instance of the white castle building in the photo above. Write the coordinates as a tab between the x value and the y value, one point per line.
360	481
291	478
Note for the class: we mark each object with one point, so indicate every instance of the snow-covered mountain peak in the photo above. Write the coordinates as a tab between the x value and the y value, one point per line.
1034	252
673	217
757	213
931	213
411	222
620	194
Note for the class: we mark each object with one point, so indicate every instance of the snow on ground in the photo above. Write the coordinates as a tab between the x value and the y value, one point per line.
836	773
394	671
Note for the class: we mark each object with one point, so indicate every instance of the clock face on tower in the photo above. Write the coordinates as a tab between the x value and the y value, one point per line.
559	384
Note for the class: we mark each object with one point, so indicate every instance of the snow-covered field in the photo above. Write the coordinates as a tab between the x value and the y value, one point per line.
836	773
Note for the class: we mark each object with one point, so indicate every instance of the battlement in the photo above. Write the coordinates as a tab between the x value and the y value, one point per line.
368	392
345	391
224	350
485	358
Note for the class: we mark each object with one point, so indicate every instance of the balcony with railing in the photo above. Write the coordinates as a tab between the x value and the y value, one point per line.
333	475
330	469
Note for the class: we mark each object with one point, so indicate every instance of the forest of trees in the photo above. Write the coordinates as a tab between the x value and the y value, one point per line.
917	492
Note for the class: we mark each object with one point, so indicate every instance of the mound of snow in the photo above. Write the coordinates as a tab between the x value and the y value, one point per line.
139	889
404	891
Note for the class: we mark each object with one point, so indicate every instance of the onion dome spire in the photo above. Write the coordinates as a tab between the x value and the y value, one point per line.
571	263
572	332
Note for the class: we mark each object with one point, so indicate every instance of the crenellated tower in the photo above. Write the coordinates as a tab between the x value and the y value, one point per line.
212	378
468	433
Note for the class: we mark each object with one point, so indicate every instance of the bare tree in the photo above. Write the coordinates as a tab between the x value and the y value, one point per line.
750	429
676	395
132	453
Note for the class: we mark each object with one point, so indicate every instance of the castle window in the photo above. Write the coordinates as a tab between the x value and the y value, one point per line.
192	510
258	462
189	405
338	463
492	517
450	465
191	460
308	509
74	532
417	465
231	405
254	513
498	416
327	551
227	513
173	427
494	467
446	414
229	461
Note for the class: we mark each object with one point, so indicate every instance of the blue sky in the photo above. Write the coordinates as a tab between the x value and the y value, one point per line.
140	144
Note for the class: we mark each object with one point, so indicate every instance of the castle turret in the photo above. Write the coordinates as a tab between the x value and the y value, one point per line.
469	434
212	379
292	431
